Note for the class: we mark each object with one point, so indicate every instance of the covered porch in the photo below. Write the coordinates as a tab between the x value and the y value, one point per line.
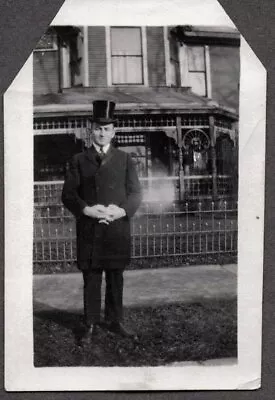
184	145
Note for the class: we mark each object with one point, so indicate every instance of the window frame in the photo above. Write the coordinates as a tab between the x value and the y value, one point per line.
193	72
65	62
143	56
185	72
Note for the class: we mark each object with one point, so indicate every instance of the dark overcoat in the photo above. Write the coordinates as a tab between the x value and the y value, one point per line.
114	181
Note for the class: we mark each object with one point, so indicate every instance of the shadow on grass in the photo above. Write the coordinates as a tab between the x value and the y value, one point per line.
144	263
72	322
198	331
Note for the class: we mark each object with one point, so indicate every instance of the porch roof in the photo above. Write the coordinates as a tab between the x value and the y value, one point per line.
134	99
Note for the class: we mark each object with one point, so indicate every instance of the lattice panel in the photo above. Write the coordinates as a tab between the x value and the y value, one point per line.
129	139
60	123
143	121
132	121
195	120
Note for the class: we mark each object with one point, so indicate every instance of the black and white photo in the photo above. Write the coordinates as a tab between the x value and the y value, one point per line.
144	235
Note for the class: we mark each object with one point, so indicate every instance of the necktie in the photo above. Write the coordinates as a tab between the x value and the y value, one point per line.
100	155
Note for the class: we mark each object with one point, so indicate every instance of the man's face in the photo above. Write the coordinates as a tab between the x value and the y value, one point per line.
102	134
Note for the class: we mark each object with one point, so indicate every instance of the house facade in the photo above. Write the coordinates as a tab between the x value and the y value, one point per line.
177	94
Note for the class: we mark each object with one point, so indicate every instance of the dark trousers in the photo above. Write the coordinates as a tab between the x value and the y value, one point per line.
113	295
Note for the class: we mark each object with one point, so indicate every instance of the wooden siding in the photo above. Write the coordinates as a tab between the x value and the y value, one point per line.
45	72
225	75
97	56
156	56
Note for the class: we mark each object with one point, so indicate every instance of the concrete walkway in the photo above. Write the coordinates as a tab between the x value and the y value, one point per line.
142	287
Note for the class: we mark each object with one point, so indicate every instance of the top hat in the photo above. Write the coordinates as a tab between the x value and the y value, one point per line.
103	112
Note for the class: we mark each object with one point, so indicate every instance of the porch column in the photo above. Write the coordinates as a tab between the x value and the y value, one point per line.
213	155
85	53
181	172
65	67
60	83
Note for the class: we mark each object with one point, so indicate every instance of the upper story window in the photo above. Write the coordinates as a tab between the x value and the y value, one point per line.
197	75
126	56
47	42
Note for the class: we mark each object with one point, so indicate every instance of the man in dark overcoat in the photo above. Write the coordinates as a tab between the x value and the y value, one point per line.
103	192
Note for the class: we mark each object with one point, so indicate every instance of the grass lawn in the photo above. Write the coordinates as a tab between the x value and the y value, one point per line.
199	331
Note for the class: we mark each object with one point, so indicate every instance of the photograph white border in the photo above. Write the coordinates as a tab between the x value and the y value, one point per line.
20	374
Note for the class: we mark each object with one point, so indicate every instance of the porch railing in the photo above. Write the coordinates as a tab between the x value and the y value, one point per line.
163	189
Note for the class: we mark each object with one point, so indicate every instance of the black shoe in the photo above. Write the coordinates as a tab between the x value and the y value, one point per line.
91	333
121	330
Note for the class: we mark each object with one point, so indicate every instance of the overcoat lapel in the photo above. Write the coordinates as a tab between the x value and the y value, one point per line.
91	154
108	156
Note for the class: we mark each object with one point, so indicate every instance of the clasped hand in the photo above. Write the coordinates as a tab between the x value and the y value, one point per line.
104	214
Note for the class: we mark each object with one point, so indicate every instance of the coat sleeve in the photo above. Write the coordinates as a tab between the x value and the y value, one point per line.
133	189
70	196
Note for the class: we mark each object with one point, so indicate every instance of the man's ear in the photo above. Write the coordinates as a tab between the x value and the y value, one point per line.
114	134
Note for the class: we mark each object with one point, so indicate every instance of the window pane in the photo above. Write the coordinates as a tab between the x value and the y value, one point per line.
127	70
196	59
126	41
197	83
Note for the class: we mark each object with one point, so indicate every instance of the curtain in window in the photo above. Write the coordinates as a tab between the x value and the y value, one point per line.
196	59
197	83
126	70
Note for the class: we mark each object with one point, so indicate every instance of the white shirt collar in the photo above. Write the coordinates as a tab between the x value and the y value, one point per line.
105	148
